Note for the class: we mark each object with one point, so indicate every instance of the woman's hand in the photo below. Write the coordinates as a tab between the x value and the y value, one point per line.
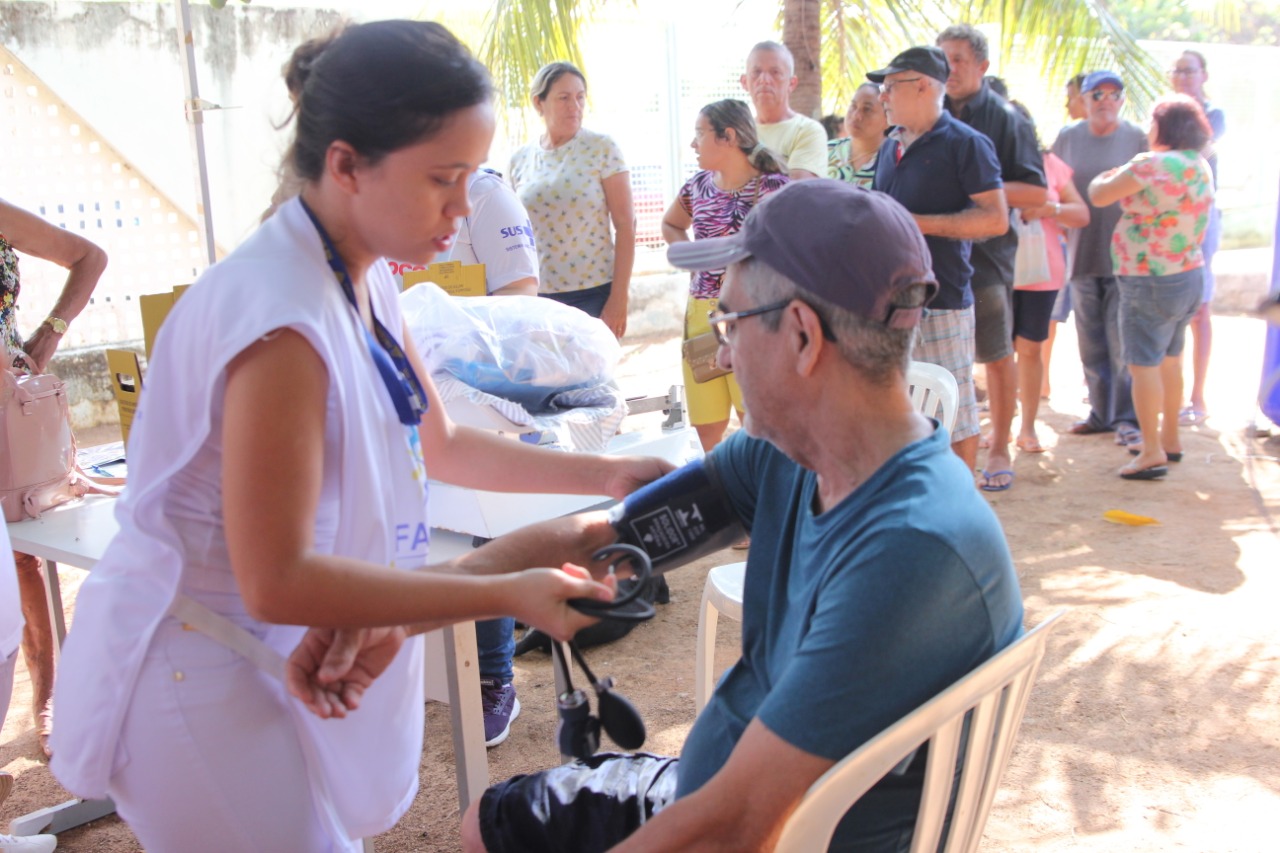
629	473
540	597
330	669
41	346
614	315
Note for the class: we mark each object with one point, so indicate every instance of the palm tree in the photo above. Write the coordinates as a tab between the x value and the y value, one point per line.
834	41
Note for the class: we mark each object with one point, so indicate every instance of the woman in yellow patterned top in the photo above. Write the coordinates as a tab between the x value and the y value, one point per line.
575	184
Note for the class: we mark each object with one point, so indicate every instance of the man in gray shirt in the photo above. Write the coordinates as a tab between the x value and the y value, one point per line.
1102	141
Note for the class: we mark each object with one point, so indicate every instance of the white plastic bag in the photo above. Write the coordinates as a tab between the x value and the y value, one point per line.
1031	263
521	348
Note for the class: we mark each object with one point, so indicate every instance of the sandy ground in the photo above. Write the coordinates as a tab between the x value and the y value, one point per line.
1156	722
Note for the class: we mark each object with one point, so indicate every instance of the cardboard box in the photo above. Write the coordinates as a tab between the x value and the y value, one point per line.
453	277
126	382
155	307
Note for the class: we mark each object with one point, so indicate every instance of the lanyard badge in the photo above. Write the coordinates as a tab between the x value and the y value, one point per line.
393	364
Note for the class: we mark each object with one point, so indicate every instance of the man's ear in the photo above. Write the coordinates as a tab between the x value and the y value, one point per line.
341	161
791	86
743	82
807	336
986	64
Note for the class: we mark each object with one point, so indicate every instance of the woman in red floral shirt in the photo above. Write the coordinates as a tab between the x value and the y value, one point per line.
1166	195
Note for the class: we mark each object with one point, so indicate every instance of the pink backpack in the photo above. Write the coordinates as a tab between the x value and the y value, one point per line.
38	468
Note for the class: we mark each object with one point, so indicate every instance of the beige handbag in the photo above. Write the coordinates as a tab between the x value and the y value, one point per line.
700	353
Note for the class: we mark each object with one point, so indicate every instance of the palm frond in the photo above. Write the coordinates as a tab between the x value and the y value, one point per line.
520	36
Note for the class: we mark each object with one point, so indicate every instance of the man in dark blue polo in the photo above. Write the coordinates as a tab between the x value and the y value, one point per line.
948	176
970	99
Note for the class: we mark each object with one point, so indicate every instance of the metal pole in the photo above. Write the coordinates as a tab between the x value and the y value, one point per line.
193	106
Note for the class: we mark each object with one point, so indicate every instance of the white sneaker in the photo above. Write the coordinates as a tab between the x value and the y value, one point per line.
28	843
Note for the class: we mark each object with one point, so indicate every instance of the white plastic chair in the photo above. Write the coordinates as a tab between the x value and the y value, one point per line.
994	697
934	394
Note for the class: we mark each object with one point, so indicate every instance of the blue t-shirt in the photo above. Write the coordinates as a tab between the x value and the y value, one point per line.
853	618
938	174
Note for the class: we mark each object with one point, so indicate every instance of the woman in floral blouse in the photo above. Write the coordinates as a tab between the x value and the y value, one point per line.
575	184
737	171
84	262
853	158
1165	195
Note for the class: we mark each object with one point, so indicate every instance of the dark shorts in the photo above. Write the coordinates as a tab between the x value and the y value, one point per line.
580	807
1032	311
992	323
589	299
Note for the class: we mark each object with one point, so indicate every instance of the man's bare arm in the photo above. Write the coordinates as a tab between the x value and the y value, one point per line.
989	217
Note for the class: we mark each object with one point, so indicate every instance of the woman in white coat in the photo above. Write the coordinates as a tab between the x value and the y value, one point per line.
277	480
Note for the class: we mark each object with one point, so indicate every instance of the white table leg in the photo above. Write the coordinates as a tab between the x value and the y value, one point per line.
61	817
53	599
462	672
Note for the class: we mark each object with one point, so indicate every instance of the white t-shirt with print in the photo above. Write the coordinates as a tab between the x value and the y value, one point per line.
563	193
498	233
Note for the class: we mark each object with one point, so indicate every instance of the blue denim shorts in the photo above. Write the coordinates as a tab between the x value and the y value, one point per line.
1154	312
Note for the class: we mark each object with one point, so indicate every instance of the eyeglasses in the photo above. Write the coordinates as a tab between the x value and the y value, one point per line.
1114	94
887	88
720	321
1184	72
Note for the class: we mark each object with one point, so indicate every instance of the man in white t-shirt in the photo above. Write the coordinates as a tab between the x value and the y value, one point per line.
770	80
497	234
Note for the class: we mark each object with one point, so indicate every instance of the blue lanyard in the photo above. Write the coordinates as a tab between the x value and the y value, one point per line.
393	365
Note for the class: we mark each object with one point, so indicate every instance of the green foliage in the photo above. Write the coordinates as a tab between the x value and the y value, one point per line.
1223	21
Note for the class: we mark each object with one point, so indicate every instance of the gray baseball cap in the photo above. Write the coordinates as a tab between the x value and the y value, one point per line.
851	246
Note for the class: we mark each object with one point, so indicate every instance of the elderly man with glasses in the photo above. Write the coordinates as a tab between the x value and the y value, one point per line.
948	175
1102	141
877	576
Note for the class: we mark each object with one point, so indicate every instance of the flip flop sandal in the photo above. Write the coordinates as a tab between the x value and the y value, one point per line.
987	476
1155	472
1190	416
1029	445
1172	455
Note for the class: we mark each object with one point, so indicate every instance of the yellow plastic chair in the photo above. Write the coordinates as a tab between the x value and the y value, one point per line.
993	698
934	394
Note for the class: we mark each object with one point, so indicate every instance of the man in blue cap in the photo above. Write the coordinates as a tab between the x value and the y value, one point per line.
877	575
1102	141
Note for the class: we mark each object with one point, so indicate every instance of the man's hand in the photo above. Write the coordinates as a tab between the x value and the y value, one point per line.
330	669
631	472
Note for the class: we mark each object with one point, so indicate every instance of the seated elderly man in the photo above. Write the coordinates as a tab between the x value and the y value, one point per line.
876	577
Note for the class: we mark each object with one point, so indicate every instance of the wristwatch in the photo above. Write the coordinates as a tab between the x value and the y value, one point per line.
57	324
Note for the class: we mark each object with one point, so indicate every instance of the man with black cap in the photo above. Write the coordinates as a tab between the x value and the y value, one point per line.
947	174
876	576
1102	141
973	101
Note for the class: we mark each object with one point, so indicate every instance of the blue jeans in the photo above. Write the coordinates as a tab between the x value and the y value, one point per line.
1096	300
496	645
589	299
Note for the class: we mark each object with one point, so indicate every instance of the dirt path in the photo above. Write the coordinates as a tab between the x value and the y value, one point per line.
1156	722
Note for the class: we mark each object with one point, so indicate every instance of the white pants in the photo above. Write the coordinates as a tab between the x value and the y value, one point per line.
210	760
